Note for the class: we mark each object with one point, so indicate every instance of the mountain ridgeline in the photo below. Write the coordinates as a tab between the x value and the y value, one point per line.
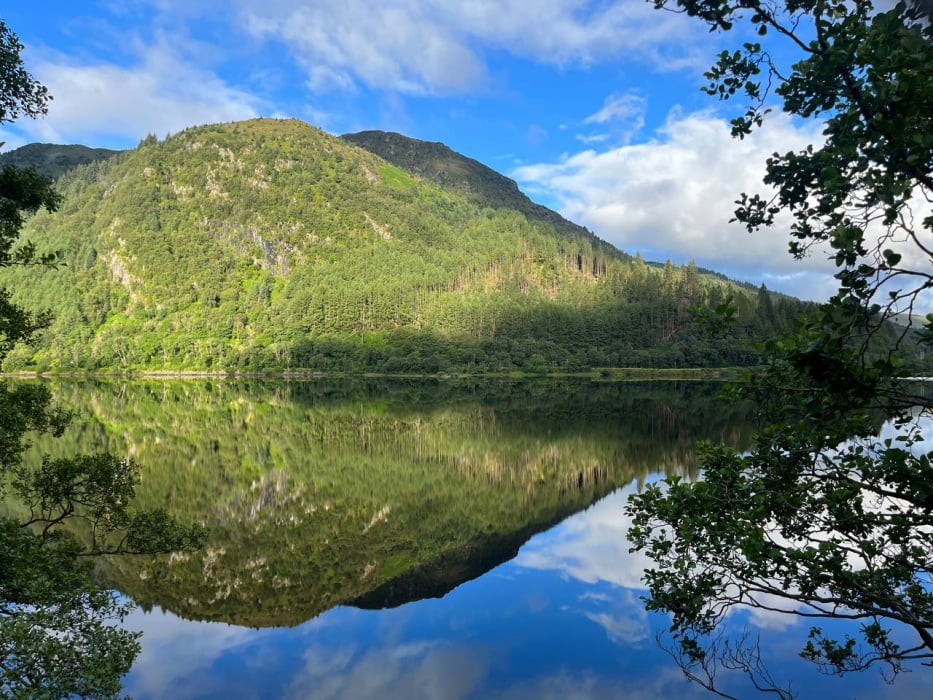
271	245
54	160
453	171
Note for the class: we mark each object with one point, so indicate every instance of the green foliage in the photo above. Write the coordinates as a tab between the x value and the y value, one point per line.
452	171
269	245
21	95
58	632
24	192
396	179
821	518
57	628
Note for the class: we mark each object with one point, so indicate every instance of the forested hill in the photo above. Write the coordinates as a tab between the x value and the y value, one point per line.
269	244
451	170
53	160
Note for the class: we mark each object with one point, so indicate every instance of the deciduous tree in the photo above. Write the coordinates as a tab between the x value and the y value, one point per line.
822	518
59	631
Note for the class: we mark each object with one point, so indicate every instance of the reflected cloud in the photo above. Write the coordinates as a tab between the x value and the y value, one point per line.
627	620
623	628
177	655
664	683
412	670
591	546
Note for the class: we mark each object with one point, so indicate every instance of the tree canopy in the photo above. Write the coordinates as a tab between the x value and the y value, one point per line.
824	517
59	633
21	95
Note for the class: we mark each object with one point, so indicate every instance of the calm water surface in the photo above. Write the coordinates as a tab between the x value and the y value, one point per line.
413	540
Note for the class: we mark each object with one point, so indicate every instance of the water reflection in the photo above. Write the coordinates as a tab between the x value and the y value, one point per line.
591	547
375	495
478	530
558	622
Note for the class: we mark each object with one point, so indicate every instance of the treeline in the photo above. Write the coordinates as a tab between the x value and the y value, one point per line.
269	245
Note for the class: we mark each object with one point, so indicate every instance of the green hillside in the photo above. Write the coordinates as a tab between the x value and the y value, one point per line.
453	171
52	159
481	184
269	244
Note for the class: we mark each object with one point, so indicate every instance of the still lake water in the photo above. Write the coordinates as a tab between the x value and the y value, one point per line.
413	539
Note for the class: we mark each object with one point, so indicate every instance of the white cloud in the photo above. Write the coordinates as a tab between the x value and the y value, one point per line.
178	655
672	197
619	108
162	93
409	670
565	31
592	138
623	114
439	47
391	46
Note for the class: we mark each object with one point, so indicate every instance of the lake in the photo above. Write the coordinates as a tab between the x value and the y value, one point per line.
413	539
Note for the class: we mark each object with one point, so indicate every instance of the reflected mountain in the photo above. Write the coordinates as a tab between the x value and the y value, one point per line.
438	577
368	493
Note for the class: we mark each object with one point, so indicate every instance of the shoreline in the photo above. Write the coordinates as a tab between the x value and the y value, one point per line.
599	374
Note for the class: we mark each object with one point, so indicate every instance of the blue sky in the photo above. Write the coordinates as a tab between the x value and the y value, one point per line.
593	107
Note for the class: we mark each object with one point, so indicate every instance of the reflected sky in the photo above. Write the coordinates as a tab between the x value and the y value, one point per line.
562	620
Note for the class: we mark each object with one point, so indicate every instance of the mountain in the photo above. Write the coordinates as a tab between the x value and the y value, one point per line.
451	170
269	244
53	160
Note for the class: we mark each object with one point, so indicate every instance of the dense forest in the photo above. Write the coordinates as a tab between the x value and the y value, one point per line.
269	244
321	493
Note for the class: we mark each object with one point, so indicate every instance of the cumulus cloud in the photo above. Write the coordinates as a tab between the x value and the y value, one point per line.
160	93
671	197
619	107
394	46
439	47
410	670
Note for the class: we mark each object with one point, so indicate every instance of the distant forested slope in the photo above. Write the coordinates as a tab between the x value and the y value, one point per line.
269	244
53	160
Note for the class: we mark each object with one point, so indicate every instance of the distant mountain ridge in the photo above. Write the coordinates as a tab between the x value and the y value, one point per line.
440	164
54	160
269	244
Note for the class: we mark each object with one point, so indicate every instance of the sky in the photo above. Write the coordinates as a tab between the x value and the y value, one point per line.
593	106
